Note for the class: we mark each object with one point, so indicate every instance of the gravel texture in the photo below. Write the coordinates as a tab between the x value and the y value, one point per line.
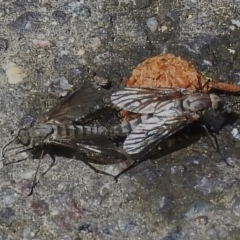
188	194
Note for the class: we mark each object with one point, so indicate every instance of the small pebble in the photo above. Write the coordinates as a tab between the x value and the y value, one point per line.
165	201
232	27
71	40
42	10
235	22
7	215
236	206
177	170
54	212
127	226
81	51
83	12
101	81
60	87
106	231
236	133
197	209
232	51
86	227
39	207
164	28
2	12
195	161
42	43
28	174
140	4
75	72
173	16
152	24
177	234
95	43
59	16
14	73
25	21
8	200
9	196
201	220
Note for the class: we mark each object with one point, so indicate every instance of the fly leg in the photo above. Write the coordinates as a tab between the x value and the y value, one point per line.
216	143
35	181
51	165
35	177
97	170
134	164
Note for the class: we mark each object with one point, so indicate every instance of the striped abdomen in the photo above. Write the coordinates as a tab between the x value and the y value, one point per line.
127	127
62	132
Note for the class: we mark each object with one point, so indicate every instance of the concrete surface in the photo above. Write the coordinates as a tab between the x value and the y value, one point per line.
190	194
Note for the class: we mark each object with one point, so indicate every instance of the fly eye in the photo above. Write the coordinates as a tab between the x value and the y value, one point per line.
23	137
25	140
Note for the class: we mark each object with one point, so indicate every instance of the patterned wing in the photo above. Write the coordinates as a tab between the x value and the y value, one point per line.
147	100
74	107
154	130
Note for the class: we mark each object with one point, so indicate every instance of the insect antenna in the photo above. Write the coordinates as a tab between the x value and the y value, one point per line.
22	151
6	145
5	150
17	161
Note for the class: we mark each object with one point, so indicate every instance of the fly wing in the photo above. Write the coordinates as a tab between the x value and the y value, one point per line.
102	151
74	107
147	100
154	130
95	147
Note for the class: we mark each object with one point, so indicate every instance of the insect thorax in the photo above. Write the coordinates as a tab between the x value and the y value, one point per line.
197	102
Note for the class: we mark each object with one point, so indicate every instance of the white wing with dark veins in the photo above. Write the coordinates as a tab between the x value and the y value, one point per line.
150	133
147	100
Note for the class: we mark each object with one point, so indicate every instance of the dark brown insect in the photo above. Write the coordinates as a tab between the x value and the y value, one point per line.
62	131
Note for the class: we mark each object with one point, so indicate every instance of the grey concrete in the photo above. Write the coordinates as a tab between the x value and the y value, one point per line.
187	194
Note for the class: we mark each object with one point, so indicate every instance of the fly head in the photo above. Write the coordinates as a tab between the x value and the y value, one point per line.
35	134
213	120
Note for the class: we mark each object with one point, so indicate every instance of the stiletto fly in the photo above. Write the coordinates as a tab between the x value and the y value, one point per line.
63	131
164	111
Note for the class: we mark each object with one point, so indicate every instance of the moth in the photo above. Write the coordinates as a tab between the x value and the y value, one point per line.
62	130
169	71
164	111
